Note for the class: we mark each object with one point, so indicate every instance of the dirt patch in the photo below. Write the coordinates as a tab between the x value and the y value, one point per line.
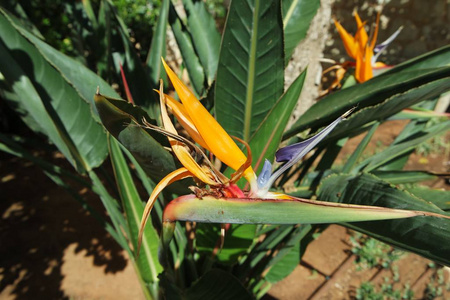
51	247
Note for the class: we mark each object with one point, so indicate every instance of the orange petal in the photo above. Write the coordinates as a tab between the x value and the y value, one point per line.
375	33
170	178
349	41
180	150
183	117
217	139
361	34
363	71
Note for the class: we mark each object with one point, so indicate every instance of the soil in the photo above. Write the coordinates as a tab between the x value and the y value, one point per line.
53	249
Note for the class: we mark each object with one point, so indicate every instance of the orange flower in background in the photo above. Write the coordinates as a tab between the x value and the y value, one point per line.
362	49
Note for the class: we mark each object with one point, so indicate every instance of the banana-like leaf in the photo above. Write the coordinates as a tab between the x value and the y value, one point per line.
297	16
426	236
402	177
370	93
50	98
267	137
147	261
440	198
433	59
390	106
158	46
251	66
121	119
190	57
205	36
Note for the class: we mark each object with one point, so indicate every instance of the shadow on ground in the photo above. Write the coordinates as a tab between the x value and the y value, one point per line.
38	222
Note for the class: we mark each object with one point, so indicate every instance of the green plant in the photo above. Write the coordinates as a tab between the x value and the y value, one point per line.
368	291
372	253
240	76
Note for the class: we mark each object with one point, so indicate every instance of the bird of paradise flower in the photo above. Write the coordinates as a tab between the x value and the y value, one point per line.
218	199
363	50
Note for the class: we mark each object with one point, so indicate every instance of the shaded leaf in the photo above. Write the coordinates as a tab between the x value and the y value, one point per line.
219	285
426	236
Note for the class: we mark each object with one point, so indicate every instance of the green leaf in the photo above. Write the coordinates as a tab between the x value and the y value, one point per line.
190	57
360	149
267	137
297	16
205	36
251	66
370	93
237	240
426	236
402	177
433	59
288	257
390	106
147	261
409	132
158	46
120	119
440	198
403	147
50	99
218	285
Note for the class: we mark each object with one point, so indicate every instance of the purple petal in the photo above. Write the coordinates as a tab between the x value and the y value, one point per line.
295	152
380	47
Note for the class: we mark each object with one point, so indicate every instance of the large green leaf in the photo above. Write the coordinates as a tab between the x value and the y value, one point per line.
390	106
205	36
120	119
401	177
267	137
147	261
50	99
190	57
427	236
440	198
370	93
158	46
297	16
219	285
251	65
433	59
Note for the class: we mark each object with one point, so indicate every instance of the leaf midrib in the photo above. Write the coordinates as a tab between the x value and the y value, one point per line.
251	73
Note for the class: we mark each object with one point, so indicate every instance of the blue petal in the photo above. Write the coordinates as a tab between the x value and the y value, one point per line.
295	152
264	176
